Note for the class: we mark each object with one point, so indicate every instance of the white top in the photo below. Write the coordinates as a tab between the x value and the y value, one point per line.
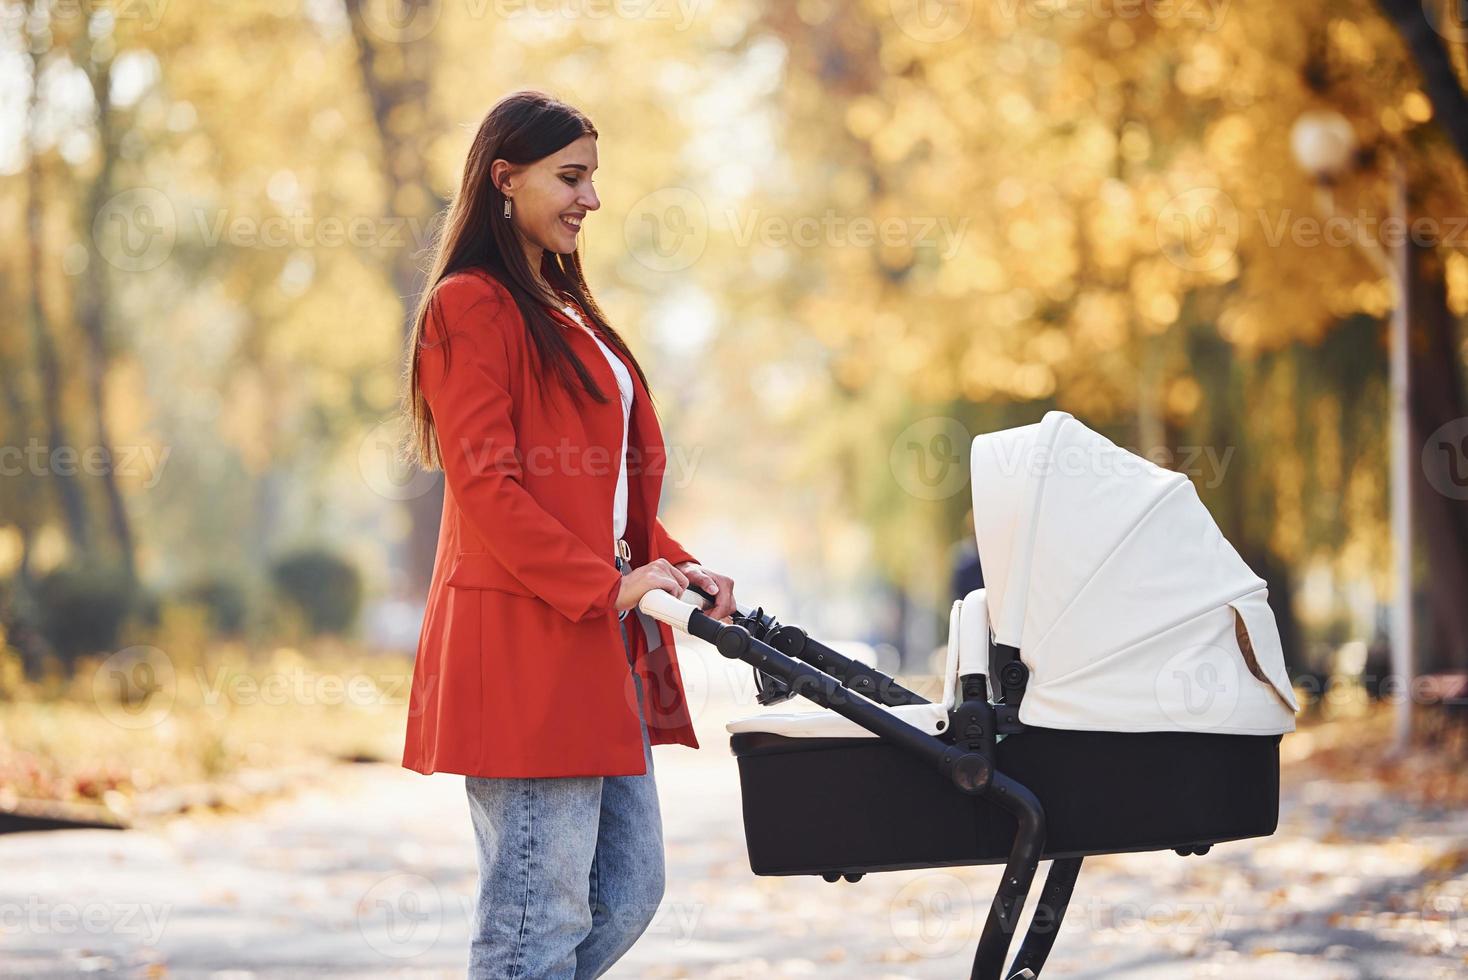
1125	601
625	389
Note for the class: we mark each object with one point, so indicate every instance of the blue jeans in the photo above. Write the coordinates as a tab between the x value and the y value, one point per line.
570	869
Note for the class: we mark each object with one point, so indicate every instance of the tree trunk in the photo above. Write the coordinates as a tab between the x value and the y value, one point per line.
1439	79
70	494
393	86
92	315
19	504
1435	371
1439	424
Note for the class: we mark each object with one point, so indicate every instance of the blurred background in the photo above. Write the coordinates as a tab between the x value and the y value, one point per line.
844	238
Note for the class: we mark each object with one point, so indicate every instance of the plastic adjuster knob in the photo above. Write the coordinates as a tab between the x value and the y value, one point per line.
732	641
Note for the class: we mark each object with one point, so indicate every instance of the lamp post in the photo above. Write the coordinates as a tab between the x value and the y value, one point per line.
1324	145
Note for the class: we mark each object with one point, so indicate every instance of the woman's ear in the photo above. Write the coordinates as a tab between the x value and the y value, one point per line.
501	173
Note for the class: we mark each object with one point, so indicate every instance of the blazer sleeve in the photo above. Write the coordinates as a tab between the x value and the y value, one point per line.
668	547
468	395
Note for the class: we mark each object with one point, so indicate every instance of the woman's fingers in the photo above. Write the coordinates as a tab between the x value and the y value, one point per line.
724	606
662	574
709	583
678	576
720	587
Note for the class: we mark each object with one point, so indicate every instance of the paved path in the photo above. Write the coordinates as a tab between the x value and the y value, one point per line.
369	873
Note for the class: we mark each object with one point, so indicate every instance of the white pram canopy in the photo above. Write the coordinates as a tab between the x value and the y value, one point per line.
1107	573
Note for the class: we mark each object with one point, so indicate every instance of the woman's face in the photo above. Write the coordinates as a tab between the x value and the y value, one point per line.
549	198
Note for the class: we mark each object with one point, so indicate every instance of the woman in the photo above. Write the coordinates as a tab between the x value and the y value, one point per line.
537	678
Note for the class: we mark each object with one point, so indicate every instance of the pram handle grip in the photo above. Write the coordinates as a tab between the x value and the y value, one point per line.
677	615
667	608
744	611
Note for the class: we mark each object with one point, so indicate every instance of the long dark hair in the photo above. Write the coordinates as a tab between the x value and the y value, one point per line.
522	127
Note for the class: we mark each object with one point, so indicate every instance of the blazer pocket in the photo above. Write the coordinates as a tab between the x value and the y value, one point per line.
481	570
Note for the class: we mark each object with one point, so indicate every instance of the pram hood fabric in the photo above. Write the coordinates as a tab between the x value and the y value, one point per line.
1128	606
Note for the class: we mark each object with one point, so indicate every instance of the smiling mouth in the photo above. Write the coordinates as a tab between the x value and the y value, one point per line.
573	223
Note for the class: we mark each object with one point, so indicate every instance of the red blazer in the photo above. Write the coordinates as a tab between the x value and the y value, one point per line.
521	670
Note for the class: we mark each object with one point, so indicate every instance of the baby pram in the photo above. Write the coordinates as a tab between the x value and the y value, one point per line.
1117	686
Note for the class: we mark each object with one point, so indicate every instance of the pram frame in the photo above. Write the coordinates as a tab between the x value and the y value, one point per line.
830	681
795	642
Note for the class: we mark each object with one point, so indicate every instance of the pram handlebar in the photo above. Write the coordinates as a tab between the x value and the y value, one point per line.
795	642
971	772
744	611
667	608
678	615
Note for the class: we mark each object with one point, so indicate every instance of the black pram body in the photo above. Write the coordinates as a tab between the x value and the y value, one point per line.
1118	686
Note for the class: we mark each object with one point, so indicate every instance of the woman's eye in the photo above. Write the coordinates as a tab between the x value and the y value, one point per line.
568	178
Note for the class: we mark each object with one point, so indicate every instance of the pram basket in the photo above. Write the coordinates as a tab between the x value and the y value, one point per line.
1037	749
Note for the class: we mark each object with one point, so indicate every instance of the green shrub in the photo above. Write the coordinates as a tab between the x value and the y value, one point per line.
323	587
225	599
83	608
20	624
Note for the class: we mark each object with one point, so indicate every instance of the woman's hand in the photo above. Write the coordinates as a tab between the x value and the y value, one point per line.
659	574
721	587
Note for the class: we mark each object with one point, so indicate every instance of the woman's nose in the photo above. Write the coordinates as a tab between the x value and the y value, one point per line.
589	200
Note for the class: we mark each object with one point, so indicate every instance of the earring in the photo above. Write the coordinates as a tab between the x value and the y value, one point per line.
507	207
